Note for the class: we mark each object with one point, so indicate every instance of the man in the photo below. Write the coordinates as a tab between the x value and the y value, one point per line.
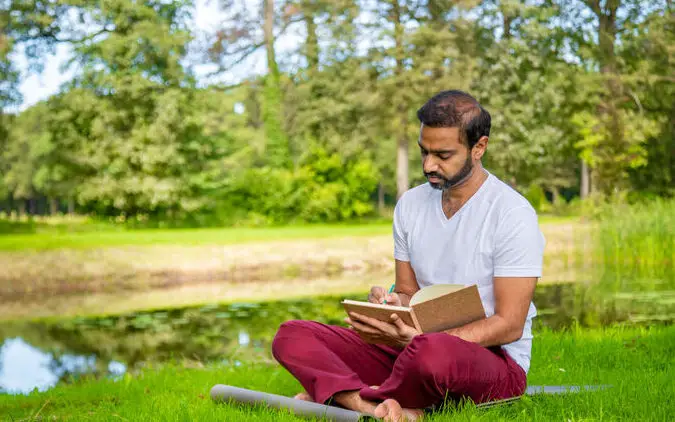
464	226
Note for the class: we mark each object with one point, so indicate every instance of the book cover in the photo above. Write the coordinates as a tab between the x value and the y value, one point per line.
432	309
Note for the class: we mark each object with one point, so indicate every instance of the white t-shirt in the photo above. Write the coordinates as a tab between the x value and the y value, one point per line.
494	234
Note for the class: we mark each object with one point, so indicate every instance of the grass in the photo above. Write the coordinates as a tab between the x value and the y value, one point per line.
193	237
635	361
79	236
81	281
638	241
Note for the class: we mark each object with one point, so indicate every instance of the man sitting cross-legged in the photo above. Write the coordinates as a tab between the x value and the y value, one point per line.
464	226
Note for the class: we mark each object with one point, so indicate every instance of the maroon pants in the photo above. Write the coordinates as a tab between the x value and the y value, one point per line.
433	368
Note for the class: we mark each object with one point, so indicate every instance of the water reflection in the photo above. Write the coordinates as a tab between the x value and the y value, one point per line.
24	368
38	355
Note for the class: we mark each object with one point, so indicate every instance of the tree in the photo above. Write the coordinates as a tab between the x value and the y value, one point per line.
530	92
277	141
614	133
144	152
240	37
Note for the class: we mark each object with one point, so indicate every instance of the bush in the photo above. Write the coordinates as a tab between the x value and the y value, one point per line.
324	188
537	198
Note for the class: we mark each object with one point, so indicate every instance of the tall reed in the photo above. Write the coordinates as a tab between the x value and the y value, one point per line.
634	245
631	264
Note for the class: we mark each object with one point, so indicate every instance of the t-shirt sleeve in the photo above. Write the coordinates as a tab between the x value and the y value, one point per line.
519	245
400	235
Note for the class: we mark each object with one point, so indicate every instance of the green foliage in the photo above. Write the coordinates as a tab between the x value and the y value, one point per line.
132	136
536	197
324	187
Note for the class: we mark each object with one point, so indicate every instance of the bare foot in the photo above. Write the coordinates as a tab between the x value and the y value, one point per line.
391	411
352	400
303	396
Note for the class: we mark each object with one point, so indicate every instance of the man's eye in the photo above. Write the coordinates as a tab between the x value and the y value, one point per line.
444	156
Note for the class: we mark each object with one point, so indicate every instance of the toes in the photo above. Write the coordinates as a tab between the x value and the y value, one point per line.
412	414
394	411
382	410
303	396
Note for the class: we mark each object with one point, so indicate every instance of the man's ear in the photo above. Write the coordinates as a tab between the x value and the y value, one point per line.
479	148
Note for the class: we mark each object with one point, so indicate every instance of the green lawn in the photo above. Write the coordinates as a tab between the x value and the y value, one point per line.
635	361
208	236
44	237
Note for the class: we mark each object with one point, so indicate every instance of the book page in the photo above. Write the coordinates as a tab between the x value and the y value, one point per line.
434	291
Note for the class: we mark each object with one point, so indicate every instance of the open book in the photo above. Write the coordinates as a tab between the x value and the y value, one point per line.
433	308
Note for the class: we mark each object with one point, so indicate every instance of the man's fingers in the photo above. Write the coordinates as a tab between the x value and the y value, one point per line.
397	321
365	328
370	321
380	326
393	299
377	294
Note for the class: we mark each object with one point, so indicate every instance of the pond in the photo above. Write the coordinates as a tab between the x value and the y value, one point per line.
38	355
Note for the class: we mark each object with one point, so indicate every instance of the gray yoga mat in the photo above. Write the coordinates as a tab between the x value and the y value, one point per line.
226	393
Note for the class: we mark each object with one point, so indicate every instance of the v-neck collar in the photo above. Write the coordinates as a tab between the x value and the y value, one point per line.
439	201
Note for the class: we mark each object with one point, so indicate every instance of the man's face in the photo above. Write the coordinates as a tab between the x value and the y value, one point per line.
446	161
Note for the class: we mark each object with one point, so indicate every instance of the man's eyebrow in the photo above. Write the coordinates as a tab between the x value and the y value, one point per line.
438	151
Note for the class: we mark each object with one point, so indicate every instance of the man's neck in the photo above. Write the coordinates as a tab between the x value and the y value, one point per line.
456	196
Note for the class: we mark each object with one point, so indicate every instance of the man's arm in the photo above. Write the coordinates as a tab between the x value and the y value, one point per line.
406	282
512	302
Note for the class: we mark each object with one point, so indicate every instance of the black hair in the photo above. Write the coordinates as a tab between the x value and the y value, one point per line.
456	108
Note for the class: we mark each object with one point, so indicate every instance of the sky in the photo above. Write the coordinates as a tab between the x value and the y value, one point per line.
207	16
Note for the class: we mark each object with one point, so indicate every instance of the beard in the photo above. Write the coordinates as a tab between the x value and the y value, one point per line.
457	178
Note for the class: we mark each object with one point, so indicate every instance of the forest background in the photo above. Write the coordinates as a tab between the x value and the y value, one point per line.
581	94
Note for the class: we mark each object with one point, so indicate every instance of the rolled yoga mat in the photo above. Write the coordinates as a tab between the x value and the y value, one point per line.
226	393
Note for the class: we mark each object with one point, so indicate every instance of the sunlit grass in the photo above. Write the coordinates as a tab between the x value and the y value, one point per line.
84	235
637	244
635	361
153	237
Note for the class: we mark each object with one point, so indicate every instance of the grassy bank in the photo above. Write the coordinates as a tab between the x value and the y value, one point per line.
257	264
634	361
91	236
110	237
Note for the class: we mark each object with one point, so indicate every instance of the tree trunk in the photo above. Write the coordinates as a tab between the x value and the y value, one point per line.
402	180
585	180
380	198
277	144
311	43
31	207
506	22
437	20
555	193
71	206
21	207
53	206
609	172
268	30
311	50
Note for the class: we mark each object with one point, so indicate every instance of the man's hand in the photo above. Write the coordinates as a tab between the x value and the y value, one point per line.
379	295
394	333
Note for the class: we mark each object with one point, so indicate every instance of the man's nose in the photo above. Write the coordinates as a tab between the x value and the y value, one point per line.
429	164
